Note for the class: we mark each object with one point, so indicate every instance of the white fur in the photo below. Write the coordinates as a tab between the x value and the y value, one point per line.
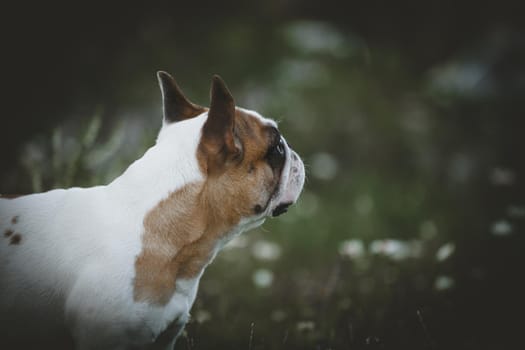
74	266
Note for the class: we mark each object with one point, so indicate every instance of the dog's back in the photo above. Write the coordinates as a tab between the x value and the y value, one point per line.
25	257
48	241
39	235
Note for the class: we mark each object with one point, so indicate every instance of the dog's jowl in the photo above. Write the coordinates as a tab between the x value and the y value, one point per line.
117	266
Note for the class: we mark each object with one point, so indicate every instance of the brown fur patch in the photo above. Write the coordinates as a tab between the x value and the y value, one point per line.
15	239
168	227
8	233
180	233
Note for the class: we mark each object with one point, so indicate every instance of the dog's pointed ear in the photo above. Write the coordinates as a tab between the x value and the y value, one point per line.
219	142
175	106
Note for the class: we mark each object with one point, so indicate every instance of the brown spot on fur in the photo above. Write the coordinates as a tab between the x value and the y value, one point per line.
8	233
15	239
181	232
14	220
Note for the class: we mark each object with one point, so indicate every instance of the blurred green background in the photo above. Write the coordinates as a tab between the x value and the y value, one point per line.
409	115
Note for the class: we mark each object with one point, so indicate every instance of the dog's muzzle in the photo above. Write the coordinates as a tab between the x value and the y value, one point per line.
291	183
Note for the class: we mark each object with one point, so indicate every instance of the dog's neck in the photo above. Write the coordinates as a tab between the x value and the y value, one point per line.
164	168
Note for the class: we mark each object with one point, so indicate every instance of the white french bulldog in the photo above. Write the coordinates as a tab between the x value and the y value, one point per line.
118	266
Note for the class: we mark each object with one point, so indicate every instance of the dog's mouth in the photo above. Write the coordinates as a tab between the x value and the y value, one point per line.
281	209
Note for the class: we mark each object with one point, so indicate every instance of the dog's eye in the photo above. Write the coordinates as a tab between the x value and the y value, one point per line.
276	154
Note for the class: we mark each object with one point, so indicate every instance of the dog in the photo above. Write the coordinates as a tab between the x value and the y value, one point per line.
118	266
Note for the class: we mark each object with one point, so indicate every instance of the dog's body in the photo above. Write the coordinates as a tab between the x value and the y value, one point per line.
118	266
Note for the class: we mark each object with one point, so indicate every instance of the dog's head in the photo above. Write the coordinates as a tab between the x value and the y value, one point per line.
226	169
249	169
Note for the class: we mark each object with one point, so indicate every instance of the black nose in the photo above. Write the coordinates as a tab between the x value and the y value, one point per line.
281	209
